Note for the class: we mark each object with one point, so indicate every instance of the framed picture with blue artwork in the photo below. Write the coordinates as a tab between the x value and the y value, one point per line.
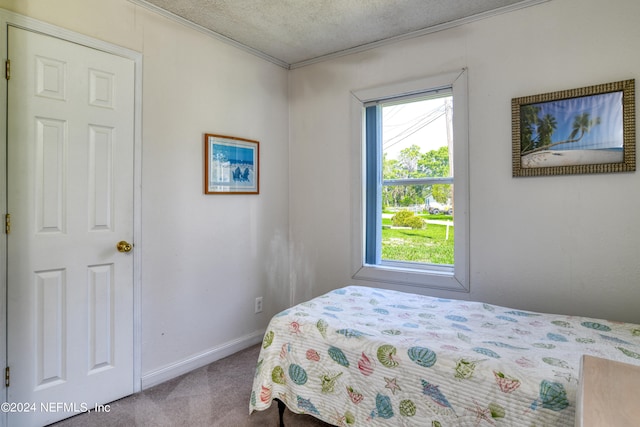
576	131
231	165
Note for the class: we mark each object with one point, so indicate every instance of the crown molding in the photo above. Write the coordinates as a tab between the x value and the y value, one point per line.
419	33
215	35
414	34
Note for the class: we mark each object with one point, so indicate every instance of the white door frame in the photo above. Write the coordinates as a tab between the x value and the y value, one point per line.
7	19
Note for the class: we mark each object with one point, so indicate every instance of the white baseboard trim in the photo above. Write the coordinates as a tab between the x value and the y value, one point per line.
199	360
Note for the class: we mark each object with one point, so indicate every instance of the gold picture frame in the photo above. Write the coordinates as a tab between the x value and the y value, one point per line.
576	131
231	165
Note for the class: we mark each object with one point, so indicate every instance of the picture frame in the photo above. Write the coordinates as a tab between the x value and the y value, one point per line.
231	165
577	131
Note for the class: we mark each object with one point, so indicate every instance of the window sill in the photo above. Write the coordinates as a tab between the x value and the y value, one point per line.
433	278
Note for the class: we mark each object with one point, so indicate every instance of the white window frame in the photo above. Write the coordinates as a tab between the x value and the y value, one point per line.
456	277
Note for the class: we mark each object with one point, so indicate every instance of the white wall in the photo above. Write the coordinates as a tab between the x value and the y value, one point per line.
567	244
204	258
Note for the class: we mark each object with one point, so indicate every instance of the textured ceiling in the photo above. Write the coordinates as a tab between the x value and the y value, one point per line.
298	31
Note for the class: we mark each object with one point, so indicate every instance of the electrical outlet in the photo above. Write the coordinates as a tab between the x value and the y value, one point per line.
258	306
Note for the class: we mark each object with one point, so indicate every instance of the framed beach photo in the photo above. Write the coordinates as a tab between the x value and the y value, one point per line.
231	165
577	131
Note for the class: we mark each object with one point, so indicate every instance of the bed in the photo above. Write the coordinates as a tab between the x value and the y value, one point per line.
360	356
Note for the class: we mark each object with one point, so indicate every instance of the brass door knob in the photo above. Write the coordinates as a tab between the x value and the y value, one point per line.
123	246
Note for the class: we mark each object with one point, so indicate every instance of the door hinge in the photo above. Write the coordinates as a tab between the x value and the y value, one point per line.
7	223
7	69
7	375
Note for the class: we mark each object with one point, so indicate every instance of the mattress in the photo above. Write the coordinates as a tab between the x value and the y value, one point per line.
361	356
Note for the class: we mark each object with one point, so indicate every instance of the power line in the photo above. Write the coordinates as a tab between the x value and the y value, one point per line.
422	123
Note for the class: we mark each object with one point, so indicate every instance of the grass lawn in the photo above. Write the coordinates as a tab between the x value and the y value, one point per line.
427	245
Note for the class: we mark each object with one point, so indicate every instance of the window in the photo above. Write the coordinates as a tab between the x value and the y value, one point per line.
413	213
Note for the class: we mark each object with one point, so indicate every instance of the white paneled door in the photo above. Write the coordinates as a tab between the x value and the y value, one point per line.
70	197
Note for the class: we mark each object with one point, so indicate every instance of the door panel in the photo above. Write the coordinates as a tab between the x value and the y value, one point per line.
70	196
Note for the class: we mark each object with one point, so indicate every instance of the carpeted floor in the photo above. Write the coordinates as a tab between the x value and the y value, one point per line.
216	395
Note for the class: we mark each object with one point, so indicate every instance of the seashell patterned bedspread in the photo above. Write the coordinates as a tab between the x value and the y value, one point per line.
361	356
